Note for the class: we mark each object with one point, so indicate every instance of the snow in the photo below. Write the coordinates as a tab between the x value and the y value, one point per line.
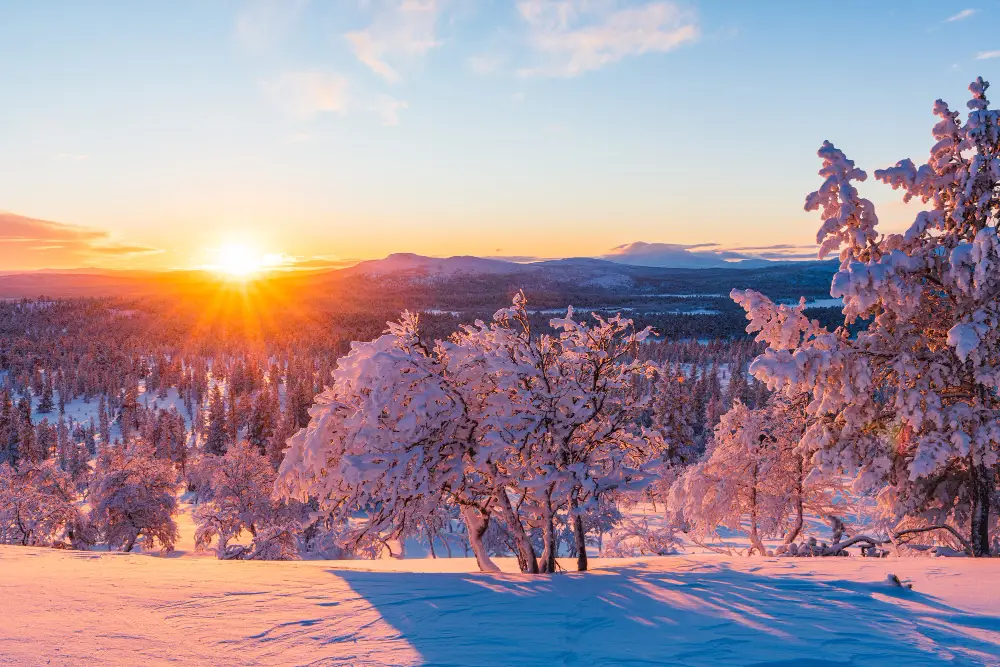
82	411
75	608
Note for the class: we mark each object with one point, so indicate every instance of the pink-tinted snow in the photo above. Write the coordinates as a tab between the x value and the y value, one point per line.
84	608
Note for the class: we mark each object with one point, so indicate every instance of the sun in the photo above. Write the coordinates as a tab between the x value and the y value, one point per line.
238	260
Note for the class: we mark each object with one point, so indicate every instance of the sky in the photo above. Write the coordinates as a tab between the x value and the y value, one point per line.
149	135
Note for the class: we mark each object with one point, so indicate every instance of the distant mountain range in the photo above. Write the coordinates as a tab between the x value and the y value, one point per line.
403	278
648	255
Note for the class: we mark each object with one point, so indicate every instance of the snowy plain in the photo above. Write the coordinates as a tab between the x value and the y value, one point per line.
83	608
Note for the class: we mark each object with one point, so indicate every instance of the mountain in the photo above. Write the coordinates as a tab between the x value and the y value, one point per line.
431	266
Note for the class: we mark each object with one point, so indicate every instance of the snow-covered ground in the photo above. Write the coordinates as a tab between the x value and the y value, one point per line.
83	608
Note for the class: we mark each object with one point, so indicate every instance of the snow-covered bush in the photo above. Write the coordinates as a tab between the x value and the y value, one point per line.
237	499
496	421
133	495
911	402
37	504
636	537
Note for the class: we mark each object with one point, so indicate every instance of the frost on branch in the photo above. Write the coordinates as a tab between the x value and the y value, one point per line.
907	400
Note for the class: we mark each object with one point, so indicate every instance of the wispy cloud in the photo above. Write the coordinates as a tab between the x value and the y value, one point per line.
400	30
261	23
305	94
388	108
578	36
70	157
961	16
31	243
986	55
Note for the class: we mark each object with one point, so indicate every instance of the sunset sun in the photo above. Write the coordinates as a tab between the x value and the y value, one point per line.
238	260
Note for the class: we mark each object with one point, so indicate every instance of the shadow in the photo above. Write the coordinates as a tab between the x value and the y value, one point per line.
646	615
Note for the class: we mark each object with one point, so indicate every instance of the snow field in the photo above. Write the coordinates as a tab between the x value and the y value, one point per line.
83	608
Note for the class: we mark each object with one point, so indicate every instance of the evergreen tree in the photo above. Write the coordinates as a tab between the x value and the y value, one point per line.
103	423
216	437
9	432
263	418
45	404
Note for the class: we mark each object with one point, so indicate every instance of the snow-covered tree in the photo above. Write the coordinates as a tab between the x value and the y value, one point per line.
103	421
753	476
133	495
45	403
10	428
566	410
238	500
37	504
911	402
216	438
263	419
496	421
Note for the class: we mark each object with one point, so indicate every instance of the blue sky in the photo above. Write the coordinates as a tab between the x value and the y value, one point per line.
355	128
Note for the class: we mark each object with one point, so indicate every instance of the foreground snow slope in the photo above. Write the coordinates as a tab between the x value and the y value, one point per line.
71	608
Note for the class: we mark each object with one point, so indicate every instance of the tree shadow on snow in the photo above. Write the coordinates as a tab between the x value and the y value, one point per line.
637	615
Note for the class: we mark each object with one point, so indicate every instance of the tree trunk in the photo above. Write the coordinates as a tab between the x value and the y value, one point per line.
981	483
580	536
793	534
430	540
526	559
475	526
755	543
548	564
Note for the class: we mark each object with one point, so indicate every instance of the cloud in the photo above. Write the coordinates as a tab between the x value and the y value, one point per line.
70	157
961	16
674	255
986	55
263	22
30	243
578	36
704	255
305	94
388	108
400	30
